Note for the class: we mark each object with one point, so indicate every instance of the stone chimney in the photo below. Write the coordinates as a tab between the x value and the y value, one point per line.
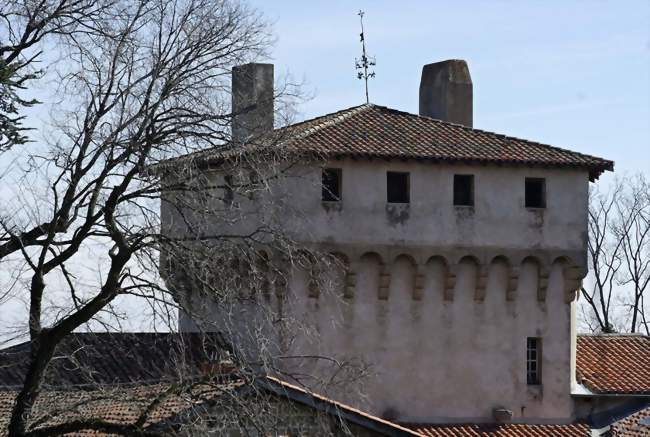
252	101
446	92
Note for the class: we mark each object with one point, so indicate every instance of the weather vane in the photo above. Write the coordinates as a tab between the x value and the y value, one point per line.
365	62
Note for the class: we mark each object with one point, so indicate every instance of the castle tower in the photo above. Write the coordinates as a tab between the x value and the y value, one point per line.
459	255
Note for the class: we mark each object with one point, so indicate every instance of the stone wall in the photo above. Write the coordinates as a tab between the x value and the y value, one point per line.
438	300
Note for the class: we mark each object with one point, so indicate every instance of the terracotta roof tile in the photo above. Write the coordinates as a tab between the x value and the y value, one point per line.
614	364
115	405
124	405
91	359
372	131
503	430
377	131
607	364
341	407
635	425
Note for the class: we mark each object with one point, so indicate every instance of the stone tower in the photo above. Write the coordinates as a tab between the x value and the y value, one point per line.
461	252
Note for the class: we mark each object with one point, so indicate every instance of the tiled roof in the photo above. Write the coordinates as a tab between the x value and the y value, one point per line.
113	358
341	409
113	405
115	376
635	425
503	430
613	363
371	131
609	364
125	405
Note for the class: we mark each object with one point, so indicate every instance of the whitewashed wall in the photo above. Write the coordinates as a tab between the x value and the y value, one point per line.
439	303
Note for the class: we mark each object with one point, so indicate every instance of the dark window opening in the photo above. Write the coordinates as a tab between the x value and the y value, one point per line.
228	193
533	361
254	185
464	190
397	184
331	185
535	193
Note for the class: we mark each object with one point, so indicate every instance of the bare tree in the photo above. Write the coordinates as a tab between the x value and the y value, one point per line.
142	82
24	26
633	230
604	260
619	257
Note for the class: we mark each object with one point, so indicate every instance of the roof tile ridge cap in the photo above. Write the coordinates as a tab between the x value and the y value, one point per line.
321	117
339	404
615	335
508	137
336	118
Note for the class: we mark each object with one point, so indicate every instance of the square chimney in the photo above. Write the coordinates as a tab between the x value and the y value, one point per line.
446	92
252	101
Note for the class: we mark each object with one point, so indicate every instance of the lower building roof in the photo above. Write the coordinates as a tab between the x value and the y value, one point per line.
635	425
133	367
502	430
614	364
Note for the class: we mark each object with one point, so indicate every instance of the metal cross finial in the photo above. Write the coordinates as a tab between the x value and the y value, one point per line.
365	62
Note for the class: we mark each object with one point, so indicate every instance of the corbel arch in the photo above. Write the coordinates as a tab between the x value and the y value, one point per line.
541	275
439	262
479	278
348	278
262	267
383	278
511	275
411	275
572	275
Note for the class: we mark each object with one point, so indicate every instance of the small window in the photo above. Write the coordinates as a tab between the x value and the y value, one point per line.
535	193
331	185
228	193
397	184
534	361
464	190
254	185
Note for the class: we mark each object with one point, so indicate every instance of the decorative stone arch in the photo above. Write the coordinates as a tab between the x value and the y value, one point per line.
572	277
384	277
240	276
481	276
417	279
449	276
280	272
307	261
512	276
542	276
342	262
262	261
407	257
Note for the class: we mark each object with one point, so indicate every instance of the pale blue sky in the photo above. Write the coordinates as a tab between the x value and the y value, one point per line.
574	74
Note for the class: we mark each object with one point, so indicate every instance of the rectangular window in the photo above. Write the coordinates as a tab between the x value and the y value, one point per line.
397	184
534	361
331	191
253	186
464	190
228	193
535	193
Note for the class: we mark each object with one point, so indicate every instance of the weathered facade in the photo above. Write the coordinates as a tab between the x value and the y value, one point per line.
179	382
461	252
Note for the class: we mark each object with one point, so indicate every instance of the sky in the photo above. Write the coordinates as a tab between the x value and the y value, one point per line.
573	74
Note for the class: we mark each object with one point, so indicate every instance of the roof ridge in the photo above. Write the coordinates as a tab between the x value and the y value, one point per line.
284	384
473	129
470	423
615	335
330	119
372	130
